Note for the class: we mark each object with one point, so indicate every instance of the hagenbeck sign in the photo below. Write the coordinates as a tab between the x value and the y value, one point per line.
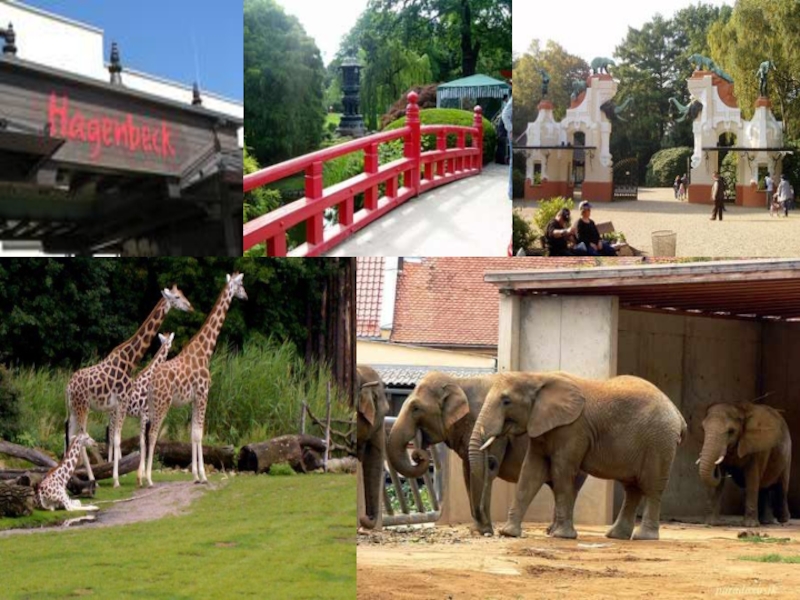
105	132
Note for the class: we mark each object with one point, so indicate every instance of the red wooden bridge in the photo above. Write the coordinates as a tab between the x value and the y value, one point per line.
403	179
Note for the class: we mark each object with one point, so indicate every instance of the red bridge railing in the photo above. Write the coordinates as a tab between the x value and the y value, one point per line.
420	171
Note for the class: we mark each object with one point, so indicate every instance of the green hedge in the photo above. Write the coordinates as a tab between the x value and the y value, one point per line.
452	116
523	234
665	165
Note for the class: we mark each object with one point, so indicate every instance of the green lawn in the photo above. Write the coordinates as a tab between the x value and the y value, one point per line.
255	536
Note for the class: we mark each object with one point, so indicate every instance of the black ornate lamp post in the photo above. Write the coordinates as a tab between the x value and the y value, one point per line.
10	37
352	123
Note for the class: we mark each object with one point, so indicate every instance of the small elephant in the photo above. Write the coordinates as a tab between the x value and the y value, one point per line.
751	443
624	429
371	439
444	409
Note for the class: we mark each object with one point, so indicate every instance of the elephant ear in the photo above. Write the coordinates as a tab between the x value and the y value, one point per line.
556	402
366	401
762	430
455	405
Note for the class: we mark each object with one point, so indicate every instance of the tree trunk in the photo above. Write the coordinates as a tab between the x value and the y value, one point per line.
179	454
300	451
15	500
33	456
469	52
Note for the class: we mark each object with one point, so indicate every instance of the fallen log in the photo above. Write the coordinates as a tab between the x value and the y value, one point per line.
15	500
106	470
31	455
300	451
179	454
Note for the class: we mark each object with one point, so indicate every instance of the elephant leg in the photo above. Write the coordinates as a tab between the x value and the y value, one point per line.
648	530
780	499
714	501
533	474
752	485
765	497
550	527
373	479
481	519
626	519
564	489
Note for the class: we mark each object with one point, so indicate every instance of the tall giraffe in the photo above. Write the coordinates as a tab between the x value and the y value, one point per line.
137	401
186	379
51	493
107	385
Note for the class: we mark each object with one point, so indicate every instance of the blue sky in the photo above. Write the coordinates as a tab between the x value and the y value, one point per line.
155	36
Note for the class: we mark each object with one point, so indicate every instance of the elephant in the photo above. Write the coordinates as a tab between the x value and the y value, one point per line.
371	440
600	65
444	409
624	429
751	443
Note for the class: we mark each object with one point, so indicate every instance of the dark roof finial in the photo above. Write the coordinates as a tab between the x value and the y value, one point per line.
196	99
10	37
115	68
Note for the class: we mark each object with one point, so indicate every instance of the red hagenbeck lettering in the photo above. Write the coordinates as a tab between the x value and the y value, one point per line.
105	132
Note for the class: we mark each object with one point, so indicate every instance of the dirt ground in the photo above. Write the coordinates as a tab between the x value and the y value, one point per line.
689	561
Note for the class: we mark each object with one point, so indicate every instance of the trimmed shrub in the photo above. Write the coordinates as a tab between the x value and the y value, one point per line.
451	116
523	235
665	165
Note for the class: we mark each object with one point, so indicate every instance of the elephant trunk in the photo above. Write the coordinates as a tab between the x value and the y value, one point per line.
714	447
403	431
479	471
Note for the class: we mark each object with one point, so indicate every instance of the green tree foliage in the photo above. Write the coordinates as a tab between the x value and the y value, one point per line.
283	76
10	425
413	42
562	68
667	164
760	30
523	234
68	312
451	116
548	209
260	200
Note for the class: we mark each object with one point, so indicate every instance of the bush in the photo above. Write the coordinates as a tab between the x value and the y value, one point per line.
10	425
665	165
524	235
451	116
547	211
260	201
728	173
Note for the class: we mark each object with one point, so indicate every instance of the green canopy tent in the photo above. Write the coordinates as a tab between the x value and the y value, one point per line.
474	87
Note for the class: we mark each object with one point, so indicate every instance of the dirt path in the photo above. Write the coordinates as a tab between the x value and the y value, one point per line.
165	499
690	561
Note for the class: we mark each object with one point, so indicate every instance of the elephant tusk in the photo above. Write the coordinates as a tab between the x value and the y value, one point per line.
697	462
488	443
720	459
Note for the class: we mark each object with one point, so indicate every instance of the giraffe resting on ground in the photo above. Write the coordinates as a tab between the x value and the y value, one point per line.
137	402
186	379
52	491
107	385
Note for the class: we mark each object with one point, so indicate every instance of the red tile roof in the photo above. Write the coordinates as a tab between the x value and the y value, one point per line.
444	301
369	294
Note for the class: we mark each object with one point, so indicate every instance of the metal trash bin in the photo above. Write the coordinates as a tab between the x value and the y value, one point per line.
664	243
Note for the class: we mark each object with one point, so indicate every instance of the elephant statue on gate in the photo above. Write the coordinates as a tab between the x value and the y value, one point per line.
444	408
600	65
689	111
624	429
371	440
751	443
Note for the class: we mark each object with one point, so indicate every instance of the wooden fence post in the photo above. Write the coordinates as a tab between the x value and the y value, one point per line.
327	429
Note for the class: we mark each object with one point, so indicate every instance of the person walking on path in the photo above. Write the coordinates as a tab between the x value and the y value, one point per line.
768	183
677	187
784	195
684	187
718	197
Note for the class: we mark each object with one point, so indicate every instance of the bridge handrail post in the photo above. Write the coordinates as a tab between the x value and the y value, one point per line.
477	140
413	144
314	185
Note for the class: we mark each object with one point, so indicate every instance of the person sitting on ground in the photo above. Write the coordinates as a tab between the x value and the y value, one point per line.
557	235
588	236
784	195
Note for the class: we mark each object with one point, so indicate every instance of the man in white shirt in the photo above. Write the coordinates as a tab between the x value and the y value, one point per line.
784	195
768	183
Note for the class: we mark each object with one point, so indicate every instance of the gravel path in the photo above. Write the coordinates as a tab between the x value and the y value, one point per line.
744	232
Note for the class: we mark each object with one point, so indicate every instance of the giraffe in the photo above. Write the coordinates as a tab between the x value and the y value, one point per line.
106	386
186	379
137	400
51	493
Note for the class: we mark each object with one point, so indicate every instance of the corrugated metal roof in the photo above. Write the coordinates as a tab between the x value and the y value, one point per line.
408	376
753	289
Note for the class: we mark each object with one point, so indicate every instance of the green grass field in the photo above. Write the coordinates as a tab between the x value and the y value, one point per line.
253	537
